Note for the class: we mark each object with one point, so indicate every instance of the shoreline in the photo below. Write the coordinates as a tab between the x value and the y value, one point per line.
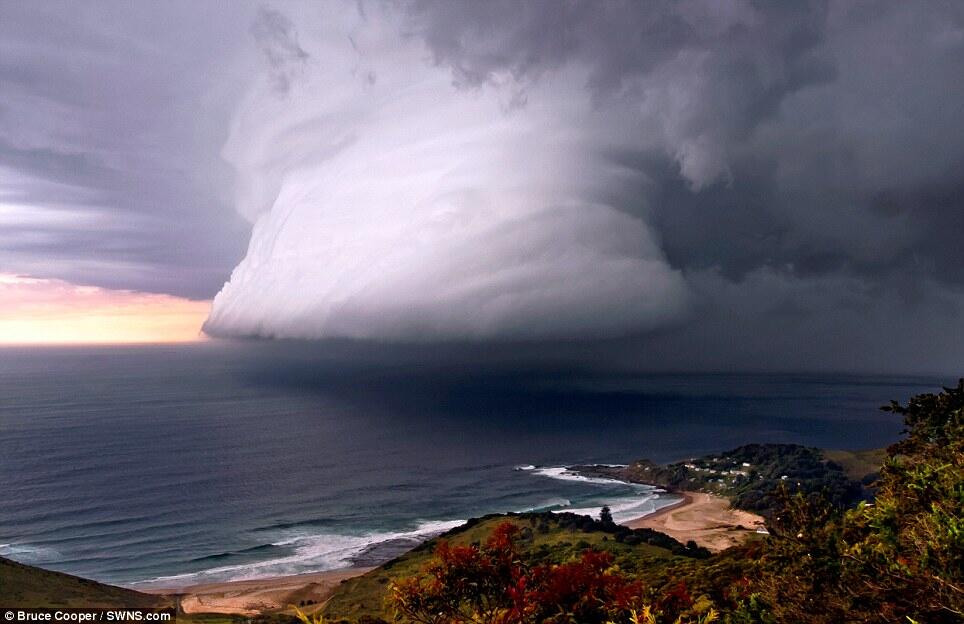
253	596
686	499
706	519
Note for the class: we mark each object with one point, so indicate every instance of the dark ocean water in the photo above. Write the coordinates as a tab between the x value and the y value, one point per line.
211	462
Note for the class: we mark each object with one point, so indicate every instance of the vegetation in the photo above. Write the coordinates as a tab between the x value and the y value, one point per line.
862	466
500	581
540	539
493	582
898	559
26	586
749	475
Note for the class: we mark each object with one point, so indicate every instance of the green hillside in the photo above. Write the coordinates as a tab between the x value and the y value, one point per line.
545	538
858	465
749	475
27	586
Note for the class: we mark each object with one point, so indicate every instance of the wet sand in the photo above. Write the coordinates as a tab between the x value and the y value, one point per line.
255	596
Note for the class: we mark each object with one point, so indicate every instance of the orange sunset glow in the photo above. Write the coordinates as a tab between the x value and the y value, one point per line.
46	311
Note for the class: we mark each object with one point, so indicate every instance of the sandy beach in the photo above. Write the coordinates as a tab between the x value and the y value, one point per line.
704	518
258	595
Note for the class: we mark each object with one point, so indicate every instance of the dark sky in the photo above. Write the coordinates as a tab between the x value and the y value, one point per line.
655	185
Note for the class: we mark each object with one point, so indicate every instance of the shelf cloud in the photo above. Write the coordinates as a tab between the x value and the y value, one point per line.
391	204
459	170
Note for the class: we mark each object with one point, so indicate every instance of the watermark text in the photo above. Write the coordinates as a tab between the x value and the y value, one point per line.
86	616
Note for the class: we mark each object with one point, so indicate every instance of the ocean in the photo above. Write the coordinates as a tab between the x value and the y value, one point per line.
184	464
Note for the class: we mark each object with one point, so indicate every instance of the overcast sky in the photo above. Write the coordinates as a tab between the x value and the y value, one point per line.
663	185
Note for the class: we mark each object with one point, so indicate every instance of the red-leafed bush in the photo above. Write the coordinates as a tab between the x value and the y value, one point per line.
587	590
491	583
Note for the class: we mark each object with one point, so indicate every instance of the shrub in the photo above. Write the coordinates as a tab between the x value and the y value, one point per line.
491	583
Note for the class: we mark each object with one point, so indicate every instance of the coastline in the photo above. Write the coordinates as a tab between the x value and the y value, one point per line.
706	519
687	499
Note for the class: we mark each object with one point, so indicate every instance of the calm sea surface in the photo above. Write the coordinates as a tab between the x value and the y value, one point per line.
212	462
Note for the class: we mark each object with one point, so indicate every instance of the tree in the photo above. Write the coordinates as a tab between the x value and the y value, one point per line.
907	549
606	516
898	559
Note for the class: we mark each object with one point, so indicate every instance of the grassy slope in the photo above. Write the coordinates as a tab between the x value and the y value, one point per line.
858	464
26	586
365	595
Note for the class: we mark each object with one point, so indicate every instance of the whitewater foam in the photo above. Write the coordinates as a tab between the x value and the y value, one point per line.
29	553
311	553
564	473
640	501
319	552
551	505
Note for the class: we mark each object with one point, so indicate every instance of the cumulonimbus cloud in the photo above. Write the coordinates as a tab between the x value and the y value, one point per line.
431	170
391	205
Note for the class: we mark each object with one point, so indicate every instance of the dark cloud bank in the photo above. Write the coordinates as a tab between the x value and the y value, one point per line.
838	126
112	116
797	168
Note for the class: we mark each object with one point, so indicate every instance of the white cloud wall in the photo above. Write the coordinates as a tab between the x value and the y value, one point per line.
390	205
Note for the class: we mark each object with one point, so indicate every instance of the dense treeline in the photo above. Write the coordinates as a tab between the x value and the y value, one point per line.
748	476
798	468
900	558
620	534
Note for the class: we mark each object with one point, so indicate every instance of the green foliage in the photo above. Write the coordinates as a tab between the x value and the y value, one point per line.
315	618
749	475
648	615
862	466
900	558
907	549
935	424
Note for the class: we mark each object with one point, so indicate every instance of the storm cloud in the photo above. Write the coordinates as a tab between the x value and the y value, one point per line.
807	137
390	205
678	184
112	118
